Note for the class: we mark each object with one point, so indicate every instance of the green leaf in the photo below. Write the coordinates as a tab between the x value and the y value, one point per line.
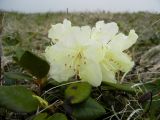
154	108
45	116
154	87
19	53
78	92
34	64
88	110
17	76
121	87
41	116
17	98
57	116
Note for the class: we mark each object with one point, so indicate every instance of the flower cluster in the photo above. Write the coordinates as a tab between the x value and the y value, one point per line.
93	54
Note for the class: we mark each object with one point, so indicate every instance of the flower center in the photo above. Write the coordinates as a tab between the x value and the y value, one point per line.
76	60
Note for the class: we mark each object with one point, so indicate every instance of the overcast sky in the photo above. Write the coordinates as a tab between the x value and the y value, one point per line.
80	5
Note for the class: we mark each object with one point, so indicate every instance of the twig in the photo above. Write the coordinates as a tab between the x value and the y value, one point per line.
115	114
129	111
59	86
49	106
135	111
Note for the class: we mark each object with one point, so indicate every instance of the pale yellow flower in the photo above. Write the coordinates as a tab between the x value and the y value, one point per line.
115	59
77	55
95	55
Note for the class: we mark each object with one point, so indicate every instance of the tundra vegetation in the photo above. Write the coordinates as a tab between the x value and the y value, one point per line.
29	92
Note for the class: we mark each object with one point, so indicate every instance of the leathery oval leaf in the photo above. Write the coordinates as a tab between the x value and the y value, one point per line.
18	99
34	64
77	92
88	110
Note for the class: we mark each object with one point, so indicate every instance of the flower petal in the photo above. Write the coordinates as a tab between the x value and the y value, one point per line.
67	23
107	74
59	73
121	42
60	31
60	69
95	51
120	60
104	32
86	32
91	73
